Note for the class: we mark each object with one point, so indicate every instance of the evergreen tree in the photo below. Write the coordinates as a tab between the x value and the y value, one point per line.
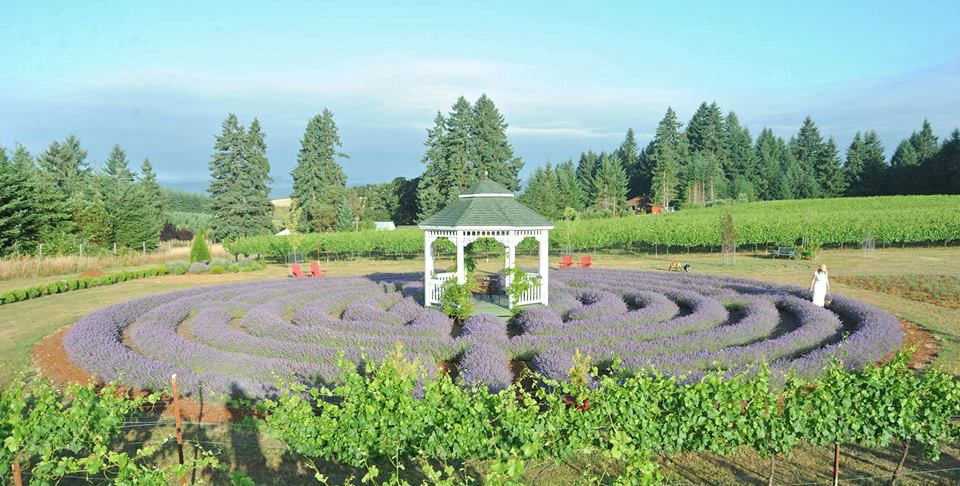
570	194
703	179
406	209
853	170
92	221
50	211
739	157
318	180
586	168
808	149
148	178
345	218
770	151
117	166
432	189
610	185
256	182
829	170
226	166
943	169
629	153
644	172
66	165
541	193
705	131
667	156
925	142
866	165
491	154
905	155
198	250
19	229
457	150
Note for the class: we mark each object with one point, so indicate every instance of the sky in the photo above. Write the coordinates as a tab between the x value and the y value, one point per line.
159	78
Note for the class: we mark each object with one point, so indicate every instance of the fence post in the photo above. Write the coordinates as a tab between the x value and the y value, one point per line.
81	250
144	248
17	480
836	465
179	426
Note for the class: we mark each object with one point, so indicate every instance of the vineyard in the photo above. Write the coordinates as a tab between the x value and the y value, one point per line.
394	424
887	220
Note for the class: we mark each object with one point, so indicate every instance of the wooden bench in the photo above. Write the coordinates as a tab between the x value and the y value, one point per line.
785	251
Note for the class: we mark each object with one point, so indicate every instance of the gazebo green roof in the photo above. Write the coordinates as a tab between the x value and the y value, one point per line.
486	204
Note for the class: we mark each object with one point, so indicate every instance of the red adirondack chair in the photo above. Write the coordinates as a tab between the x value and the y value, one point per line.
297	272
567	261
584	262
316	271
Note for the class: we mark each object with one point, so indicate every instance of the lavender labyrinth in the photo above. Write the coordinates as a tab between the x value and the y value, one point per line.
245	339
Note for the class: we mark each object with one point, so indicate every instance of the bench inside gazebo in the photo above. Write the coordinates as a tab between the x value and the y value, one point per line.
485	210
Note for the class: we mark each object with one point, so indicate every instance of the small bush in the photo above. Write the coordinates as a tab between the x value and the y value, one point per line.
199	252
52	288
217	269
33	292
199	267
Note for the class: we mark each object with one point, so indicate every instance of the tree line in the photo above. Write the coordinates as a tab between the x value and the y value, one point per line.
713	159
57	202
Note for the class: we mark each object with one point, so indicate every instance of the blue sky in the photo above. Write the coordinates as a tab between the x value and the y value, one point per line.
158	79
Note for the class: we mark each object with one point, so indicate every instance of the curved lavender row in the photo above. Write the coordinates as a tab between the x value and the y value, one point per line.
815	326
212	327
93	343
486	363
485	327
243	338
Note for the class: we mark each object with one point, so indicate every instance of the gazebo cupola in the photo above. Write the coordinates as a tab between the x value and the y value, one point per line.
485	210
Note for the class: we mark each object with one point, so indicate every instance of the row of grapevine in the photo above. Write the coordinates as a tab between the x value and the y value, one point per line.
385	416
890	220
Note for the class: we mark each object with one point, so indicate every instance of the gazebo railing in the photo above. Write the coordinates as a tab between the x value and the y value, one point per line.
434	289
532	295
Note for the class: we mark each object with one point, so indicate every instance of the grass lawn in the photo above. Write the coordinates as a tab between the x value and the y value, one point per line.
24	323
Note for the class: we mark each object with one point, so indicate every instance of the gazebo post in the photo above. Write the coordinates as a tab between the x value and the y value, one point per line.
461	271
544	266
427	266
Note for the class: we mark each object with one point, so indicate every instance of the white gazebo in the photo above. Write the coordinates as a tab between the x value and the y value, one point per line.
485	210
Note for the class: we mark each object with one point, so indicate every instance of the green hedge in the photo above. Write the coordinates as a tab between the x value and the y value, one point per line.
837	221
61	286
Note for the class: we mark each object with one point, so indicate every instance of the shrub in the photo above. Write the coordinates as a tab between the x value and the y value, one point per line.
52	288
199	267
217	269
457	299
199	252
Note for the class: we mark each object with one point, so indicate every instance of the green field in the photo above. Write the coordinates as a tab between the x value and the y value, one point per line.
889	220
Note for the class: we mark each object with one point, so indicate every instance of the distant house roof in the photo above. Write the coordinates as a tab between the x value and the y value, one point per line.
284	232
384	225
637	201
486	204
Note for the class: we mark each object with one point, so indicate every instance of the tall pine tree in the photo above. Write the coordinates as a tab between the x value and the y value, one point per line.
829	170
319	183
739	157
226	166
491	154
586	168
65	164
570	194
629	153
433	187
610	185
925	142
256	182
668	158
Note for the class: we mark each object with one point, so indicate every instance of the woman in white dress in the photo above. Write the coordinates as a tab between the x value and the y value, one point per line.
820	285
